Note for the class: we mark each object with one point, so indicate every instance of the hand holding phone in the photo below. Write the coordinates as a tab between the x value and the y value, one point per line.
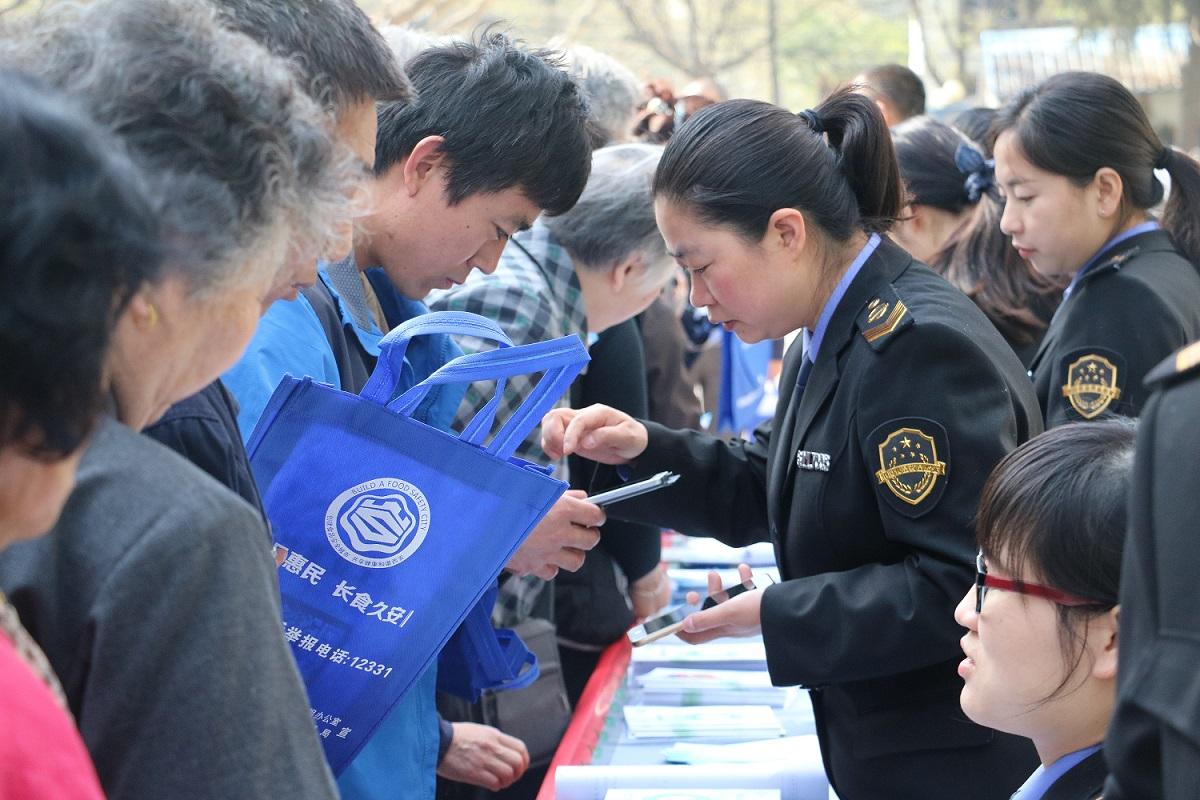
671	621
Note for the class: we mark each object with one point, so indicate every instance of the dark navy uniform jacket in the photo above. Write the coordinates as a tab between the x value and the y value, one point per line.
867	483
1138	305
1153	745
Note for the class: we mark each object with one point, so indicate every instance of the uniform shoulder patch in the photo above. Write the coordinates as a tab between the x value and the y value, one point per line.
883	317
1093	380
911	457
1182	363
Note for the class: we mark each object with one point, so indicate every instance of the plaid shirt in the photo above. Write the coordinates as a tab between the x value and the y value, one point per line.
534	296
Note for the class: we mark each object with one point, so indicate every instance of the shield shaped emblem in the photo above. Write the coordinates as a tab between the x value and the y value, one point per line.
909	465
1091	385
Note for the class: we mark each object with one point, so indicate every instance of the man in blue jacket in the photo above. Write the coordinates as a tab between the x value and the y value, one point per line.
495	137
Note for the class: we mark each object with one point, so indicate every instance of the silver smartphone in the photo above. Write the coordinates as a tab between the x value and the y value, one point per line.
651	484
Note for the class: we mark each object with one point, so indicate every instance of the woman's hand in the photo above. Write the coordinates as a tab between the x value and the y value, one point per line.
597	432
737	616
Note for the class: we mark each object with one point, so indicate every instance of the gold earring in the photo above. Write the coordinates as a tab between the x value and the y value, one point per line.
151	315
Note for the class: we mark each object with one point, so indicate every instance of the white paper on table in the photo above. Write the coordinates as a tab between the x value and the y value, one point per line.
663	678
758	752
689	722
798	779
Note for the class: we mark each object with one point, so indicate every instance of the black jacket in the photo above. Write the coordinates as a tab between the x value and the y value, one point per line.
1136	307
1153	745
867	485
203	429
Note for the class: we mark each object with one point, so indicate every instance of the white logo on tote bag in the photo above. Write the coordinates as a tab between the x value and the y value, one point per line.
378	523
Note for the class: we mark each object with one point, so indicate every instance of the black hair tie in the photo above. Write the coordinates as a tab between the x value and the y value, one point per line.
979	172
813	119
1164	158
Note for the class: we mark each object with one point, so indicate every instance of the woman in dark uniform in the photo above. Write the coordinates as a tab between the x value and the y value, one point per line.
1075	157
889	421
1042	620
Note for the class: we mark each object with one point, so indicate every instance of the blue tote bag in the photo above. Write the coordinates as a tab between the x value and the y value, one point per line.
394	530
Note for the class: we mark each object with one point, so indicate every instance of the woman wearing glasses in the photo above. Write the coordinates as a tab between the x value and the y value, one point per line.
891	417
1041	641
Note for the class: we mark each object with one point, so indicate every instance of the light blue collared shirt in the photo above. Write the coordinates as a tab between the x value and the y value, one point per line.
1044	777
1136	230
812	340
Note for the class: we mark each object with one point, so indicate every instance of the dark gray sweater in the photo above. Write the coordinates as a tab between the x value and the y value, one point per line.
156	600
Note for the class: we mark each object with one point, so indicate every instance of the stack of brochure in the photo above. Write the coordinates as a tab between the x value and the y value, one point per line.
708	687
789	749
702	722
747	654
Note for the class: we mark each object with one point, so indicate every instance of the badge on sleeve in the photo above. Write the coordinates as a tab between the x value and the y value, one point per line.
1093	380
912	464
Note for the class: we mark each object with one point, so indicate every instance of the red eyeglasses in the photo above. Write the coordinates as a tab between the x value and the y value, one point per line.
983	582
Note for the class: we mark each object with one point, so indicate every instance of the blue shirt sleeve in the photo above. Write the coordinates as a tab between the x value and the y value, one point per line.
289	340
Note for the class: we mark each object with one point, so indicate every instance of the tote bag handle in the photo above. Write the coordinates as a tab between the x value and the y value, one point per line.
381	386
560	359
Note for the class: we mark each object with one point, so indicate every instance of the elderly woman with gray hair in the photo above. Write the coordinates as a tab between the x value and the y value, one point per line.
77	239
155	597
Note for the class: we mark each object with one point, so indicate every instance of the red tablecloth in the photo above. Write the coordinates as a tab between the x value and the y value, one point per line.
579	742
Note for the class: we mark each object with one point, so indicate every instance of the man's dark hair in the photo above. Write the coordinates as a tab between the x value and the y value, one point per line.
511	117
77	239
342	58
900	86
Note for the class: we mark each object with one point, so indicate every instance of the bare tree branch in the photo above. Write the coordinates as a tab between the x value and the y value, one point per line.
715	30
930	65
582	17
693	37
662	47
468	18
742	57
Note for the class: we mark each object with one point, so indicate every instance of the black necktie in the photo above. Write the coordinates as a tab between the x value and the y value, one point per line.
806	366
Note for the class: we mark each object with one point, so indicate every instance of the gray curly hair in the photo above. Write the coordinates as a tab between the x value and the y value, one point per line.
238	155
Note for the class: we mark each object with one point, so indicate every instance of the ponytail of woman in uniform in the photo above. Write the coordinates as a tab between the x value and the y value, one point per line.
1042	619
952	223
894	407
1076	159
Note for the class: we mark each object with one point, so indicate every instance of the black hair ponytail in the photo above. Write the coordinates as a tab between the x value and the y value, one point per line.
1182	213
857	131
736	163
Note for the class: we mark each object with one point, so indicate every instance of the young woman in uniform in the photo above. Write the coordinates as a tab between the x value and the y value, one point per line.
890	418
1075	158
1041	641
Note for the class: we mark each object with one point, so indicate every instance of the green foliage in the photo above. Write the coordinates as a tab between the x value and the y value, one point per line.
823	45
